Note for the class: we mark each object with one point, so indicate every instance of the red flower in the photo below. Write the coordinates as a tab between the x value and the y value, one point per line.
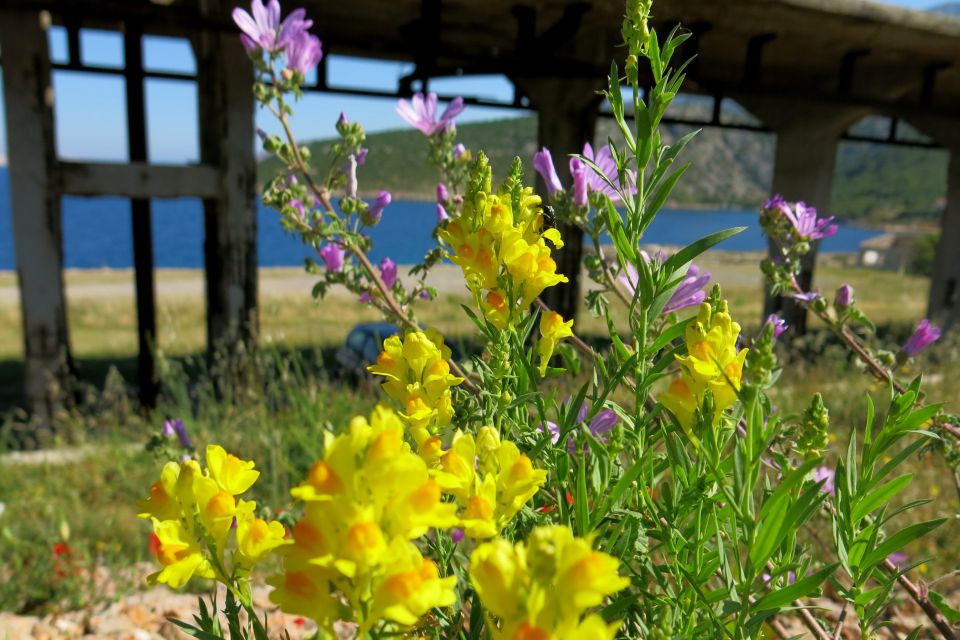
62	549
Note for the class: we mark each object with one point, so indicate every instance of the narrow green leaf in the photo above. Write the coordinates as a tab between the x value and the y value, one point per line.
799	589
688	253
899	540
879	496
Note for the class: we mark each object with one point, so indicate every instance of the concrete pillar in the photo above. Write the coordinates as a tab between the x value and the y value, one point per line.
38	236
803	167
944	302
225	80
804	163
566	119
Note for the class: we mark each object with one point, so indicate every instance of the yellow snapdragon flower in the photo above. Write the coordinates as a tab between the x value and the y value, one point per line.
418	376
500	244
712	363
553	329
365	501
194	510
491	482
543	588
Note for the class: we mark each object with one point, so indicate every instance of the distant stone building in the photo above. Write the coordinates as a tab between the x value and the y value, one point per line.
891	251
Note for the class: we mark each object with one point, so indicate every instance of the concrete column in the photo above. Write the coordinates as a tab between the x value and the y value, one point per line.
804	163
944	302
803	167
38	236
225	80
566	119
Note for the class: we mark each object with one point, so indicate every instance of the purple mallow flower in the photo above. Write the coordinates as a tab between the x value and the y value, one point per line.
898	558
388	272
543	163
362	156
263	29
456	535
827	475
778	323
689	293
303	52
176	427
421	112
602	423
332	255
442	213
803	217
442	193
923	336
603	158
459	150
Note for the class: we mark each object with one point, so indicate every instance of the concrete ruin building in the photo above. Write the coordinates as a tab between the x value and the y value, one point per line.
806	69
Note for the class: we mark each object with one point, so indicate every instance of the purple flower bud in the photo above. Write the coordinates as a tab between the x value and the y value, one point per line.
425	295
298	207
362	156
778	323
332	255
261	134
176	427
898	558
456	535
388	272
844	298
441	213
442	194
459	150
375	211
342	121
543	163
923	336
579	172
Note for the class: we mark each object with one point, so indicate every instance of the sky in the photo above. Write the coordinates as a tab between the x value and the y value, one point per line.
91	115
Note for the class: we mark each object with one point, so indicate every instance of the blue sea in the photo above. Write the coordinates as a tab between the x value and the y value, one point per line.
97	233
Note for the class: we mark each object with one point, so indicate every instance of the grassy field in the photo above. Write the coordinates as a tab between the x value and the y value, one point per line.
282	405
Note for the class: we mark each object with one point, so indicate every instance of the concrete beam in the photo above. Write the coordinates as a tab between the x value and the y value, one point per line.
38	236
137	180
225	79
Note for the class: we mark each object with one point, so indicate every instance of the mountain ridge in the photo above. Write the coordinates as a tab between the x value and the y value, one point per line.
874	183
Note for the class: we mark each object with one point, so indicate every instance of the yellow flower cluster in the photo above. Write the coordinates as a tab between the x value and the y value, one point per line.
541	589
500	244
491	481
712	364
365	501
418	377
553	329
202	529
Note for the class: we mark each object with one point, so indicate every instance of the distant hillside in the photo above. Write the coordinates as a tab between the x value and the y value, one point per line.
874	183
950	8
